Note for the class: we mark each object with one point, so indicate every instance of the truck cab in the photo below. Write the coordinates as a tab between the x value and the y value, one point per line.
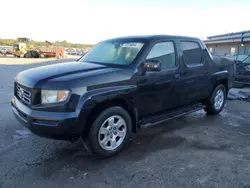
119	87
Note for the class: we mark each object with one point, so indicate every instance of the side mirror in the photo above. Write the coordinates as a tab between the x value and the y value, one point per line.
152	65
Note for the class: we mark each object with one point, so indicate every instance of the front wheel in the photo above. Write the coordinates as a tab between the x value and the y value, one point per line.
216	102
109	132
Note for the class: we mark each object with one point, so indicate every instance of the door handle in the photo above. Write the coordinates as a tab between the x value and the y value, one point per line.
177	76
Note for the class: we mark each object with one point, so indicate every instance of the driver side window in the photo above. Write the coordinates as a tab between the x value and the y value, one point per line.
165	53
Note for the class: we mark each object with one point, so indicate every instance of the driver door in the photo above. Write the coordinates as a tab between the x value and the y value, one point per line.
156	89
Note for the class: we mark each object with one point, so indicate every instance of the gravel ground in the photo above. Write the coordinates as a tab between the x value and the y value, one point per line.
194	151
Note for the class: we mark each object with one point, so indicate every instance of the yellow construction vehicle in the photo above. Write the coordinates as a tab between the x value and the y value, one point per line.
22	48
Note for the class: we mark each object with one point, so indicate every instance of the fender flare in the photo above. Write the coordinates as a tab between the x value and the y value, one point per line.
220	75
94	97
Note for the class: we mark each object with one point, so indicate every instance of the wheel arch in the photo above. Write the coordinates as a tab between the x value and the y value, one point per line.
221	77
95	104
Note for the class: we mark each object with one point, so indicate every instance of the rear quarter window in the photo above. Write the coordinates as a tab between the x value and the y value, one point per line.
191	53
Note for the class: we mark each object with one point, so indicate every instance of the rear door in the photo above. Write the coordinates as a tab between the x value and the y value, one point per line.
156	89
194	83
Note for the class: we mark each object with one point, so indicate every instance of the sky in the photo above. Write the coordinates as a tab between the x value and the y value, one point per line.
91	21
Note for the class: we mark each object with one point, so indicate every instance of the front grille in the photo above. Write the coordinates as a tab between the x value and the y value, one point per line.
23	94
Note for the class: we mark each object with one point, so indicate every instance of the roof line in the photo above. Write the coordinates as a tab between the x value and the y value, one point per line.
228	34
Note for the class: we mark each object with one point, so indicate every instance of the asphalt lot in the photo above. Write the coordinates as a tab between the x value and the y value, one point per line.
194	151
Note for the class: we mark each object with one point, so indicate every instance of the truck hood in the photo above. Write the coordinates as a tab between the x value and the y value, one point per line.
62	72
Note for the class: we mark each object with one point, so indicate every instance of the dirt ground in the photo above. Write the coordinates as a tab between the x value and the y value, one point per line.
194	151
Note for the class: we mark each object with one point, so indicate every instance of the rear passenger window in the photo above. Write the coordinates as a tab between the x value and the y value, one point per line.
165	53
191	53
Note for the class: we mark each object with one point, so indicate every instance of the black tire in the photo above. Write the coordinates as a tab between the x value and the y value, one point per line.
27	55
91	141
33	54
210	103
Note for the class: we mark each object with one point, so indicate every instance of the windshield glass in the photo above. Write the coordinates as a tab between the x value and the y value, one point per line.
113	52
243	58
16	46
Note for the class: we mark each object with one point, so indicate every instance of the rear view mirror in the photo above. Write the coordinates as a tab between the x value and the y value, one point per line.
152	65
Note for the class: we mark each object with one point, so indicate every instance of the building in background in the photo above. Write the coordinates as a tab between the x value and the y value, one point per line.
230	44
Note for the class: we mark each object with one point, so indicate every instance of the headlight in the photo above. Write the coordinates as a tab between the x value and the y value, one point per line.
54	96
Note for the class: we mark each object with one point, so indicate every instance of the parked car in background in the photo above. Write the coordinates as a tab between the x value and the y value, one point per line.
120	86
9	51
242	61
242	70
3	51
81	53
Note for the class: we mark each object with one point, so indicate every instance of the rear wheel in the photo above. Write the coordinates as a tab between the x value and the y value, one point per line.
216	102
109	133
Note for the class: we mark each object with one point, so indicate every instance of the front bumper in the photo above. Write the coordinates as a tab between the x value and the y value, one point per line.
55	125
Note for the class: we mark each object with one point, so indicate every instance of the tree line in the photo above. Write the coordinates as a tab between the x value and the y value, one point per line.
64	43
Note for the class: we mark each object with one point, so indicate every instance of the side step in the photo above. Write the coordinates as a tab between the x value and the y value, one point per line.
159	118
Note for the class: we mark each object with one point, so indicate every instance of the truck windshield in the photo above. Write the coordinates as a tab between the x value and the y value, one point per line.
16	46
113	52
243	58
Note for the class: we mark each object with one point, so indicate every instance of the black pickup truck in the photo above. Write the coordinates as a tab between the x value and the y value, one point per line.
120	86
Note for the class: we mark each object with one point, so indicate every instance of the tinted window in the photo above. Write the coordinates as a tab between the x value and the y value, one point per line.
191	53
165	53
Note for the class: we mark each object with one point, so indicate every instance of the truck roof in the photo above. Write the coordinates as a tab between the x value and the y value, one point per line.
153	37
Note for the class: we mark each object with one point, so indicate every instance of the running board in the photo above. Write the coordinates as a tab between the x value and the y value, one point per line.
156	119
